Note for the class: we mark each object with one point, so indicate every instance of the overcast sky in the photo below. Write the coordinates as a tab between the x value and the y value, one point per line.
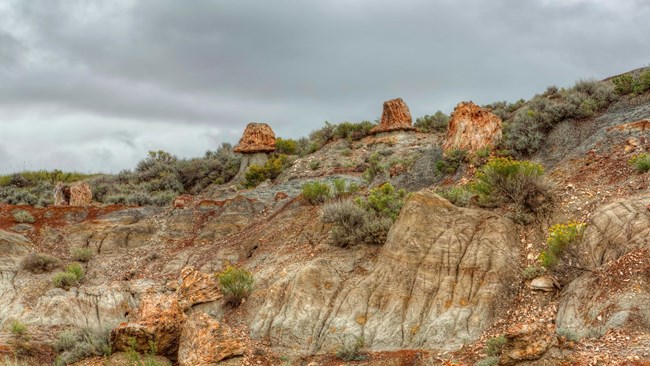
93	85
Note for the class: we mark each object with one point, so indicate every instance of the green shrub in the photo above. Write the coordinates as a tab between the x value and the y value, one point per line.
384	201
438	122
314	165
375	168
81	254
13	362
353	352
488	361
452	161
344	189
22	216
624	84
64	280
287	147
316	192
236	284
642	82
352	131
519	183
641	162
494	346
77	344
353	225
561	246
273	167
73	275
481	156
18	329
531	272
459	196
40	263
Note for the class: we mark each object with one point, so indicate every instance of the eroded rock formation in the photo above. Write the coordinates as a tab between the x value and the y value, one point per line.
395	117
76	194
257	138
615	291
433	288
206	342
472	128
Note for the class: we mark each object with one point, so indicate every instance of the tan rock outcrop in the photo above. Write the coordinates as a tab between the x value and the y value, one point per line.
472	128
159	319
443	276
197	288
395	117
257	138
76	194
206	342
527	342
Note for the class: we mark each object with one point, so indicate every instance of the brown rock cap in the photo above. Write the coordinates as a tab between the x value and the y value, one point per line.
258	137
395	117
471	128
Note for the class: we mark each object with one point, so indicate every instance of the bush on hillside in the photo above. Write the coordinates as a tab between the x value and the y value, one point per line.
286	146
75	345
452	161
352	131
518	183
561	256
80	254
525	131
73	275
22	216
385	201
435	123
236	284
40	263
353	225
316	192
459	196
641	162
624	84
273	167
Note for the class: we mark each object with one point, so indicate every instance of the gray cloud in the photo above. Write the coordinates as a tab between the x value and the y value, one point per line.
206	69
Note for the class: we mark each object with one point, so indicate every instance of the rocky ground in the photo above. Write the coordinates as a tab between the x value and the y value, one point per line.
447	279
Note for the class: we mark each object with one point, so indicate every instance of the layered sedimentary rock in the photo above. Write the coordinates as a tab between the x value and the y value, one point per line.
159	319
206	342
433	288
197	288
472	128
614	292
395	117
257	138
77	194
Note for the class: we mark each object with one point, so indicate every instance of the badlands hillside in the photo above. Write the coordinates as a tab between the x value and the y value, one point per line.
506	234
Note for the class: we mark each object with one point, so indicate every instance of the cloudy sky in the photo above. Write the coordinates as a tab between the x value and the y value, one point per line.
92	85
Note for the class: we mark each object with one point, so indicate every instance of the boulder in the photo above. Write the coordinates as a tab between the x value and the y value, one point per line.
77	194
472	128
197	288
257	138
443	276
158	319
527	342
395	117
543	283
206	342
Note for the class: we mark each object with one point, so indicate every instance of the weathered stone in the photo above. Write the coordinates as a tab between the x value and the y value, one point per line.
205	342
258	137
159	319
543	283
395	117
472	128
197	288
527	342
77	194
433	288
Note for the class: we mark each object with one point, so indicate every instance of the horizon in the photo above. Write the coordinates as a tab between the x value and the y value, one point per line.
92	87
